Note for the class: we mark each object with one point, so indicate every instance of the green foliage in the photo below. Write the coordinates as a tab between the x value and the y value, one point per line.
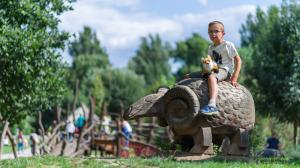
151	60
262	130
84	63
89	59
164	145
122	85
138	162
189	53
87	44
92	85
294	153
161	82
275	40
31	75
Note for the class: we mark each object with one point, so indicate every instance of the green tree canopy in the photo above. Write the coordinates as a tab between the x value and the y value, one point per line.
275	43
122	85
87	43
151	60
189	53
31	76
88	60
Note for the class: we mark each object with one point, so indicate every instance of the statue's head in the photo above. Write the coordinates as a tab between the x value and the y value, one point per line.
148	106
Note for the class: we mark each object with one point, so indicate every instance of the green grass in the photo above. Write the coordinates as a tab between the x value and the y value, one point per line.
7	149
56	162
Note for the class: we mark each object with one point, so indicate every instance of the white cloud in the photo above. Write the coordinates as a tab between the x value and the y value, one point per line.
111	3
231	17
202	2
120	32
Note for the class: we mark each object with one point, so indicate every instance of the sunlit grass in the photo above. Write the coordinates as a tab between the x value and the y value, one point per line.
51	162
7	149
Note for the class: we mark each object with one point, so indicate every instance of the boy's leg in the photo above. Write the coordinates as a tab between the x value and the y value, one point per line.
213	80
212	89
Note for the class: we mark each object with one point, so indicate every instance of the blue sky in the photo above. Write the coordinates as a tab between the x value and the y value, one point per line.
120	24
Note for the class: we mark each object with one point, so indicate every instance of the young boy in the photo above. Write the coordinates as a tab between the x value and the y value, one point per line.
225	55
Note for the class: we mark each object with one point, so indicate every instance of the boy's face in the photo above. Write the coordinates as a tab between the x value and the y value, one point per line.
216	33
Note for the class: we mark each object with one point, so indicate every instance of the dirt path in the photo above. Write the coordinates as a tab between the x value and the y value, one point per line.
25	153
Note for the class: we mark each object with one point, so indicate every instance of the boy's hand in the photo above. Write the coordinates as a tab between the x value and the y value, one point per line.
233	80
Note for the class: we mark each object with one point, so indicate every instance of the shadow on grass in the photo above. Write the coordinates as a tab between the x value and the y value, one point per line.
234	159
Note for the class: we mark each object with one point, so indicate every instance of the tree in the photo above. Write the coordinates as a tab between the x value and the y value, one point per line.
189	53
122	85
84	63
87	44
92	85
89	59
31	76
275	40
151	60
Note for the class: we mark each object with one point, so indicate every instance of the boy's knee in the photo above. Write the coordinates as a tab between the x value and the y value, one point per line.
212	77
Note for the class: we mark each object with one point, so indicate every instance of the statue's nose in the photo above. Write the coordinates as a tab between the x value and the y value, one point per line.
129	114
130	108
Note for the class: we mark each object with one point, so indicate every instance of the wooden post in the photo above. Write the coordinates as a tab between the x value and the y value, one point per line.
79	139
63	147
3	136
33	146
139	128
119	137
151	132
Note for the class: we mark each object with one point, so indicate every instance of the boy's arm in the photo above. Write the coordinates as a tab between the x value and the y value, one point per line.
235	75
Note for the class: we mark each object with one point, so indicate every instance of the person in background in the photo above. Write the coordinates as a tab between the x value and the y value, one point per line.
126	130
272	146
273	142
80	122
20	141
70	129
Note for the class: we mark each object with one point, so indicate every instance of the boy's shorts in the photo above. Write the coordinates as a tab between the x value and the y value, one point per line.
222	75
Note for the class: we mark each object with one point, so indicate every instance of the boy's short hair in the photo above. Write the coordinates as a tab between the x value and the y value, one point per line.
216	22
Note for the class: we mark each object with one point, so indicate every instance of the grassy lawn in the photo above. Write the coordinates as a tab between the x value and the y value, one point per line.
7	149
53	162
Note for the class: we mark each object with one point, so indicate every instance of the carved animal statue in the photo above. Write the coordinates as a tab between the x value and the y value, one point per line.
209	65
178	108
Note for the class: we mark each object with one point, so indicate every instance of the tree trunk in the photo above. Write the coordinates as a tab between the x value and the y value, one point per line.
12	142
75	94
91	116
3	136
295	138
68	111
79	139
58	114
41	125
121	109
83	109
92	111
